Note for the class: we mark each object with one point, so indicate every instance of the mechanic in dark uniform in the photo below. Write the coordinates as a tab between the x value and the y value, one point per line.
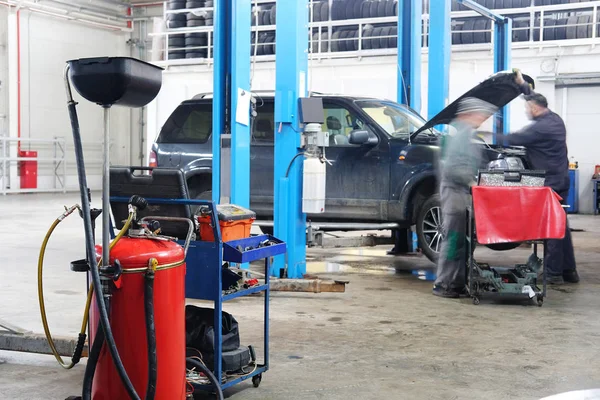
546	142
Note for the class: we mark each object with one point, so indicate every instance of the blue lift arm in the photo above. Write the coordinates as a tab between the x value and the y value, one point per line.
502	56
409	53
291	67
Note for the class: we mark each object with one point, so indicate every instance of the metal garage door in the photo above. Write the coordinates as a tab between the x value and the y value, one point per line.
578	107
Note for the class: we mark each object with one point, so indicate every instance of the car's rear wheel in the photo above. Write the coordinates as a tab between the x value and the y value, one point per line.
205	195
429	227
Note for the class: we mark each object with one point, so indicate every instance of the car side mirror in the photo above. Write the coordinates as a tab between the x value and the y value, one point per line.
362	138
359	137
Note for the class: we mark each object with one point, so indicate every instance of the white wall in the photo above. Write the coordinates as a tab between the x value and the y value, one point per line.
573	104
46	44
376	76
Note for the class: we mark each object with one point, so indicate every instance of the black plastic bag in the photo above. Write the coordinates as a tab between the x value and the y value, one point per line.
200	334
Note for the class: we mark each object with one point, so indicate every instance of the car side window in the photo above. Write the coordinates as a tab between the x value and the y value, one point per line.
263	127
189	123
339	122
392	120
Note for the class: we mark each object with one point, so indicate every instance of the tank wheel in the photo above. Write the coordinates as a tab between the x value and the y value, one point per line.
540	301
256	380
476	300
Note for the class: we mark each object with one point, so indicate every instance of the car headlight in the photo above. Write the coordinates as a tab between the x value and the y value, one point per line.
506	164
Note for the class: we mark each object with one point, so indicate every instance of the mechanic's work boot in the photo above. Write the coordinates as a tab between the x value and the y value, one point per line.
555	280
448	294
571	276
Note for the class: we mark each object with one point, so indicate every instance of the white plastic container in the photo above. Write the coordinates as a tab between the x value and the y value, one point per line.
313	186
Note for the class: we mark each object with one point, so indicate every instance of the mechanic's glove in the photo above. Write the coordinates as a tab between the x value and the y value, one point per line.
518	76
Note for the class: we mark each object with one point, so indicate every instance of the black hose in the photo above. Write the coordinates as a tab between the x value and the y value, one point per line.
150	335
287	172
91	251
92	362
209	375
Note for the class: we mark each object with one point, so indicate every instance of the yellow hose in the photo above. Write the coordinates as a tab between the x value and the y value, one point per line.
88	303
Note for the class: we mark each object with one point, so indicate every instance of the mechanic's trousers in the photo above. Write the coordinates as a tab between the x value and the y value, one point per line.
559	256
452	261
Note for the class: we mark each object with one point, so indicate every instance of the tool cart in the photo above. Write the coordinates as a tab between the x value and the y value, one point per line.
211	272
508	208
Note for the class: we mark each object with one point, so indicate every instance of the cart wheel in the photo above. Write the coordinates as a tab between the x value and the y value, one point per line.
256	380
476	300
540	301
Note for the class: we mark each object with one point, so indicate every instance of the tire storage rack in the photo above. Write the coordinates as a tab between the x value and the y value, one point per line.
188	45
558	25
263	17
372	25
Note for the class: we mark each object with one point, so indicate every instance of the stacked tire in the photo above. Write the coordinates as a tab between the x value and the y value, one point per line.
323	42
176	42
380	37
261	17
320	11
265	45
471	31
501	4
521	30
196	43
345	39
355	9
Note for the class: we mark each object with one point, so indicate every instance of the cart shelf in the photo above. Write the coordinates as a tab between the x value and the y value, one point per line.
252	249
245	292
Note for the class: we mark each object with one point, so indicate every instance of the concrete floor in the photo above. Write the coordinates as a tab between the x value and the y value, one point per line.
386	337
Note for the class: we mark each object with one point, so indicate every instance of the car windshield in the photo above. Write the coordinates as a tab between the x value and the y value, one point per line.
397	120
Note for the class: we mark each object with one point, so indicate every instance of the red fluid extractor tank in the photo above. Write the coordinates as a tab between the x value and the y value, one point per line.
128	321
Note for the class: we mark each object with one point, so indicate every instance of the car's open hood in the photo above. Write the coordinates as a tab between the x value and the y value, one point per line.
499	90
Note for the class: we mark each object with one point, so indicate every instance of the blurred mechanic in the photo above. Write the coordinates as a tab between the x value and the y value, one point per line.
546	142
459	163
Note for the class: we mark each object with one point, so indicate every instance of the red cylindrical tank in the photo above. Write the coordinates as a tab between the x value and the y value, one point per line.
128	322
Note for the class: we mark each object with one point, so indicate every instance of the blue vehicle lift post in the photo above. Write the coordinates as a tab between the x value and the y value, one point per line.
440	48
291	66
502	56
232	77
409	85
409	53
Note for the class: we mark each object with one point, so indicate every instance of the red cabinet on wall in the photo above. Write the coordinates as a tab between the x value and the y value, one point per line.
28	170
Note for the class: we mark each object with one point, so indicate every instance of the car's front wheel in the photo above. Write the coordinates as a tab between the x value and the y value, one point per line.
429	228
430	234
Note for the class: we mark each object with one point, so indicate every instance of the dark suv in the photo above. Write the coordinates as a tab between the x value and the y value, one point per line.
389	177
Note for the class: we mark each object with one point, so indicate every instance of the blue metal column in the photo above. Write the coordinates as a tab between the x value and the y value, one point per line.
240	97
291	65
502	57
502	60
439	57
220	72
409	53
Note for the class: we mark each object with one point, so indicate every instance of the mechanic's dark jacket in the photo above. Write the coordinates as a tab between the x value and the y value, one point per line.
546	142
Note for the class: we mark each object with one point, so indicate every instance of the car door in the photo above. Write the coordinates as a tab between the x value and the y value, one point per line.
357	185
262	153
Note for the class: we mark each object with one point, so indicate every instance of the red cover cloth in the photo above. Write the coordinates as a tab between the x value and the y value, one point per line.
517	214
